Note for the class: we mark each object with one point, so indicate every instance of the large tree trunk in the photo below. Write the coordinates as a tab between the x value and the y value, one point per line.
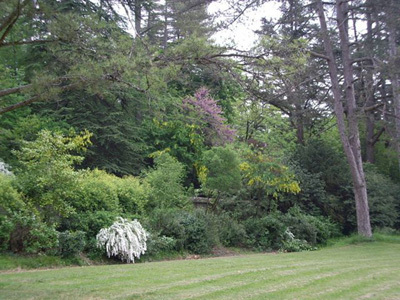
165	36
369	93
349	135
394	78
138	16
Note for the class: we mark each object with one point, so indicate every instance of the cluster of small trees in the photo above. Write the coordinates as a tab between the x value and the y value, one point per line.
166	114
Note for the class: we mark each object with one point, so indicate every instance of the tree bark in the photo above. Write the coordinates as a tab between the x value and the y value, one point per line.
138	16
394	78
369	93
349	134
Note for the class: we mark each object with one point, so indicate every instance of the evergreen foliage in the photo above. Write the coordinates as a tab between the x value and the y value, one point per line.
107	113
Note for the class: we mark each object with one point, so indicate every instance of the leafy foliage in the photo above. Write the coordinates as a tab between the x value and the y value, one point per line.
10	198
192	231
25	232
71	243
266	181
219	172
384	199
165	182
47	175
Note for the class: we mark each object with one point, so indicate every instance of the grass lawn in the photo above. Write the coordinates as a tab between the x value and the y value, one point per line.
358	271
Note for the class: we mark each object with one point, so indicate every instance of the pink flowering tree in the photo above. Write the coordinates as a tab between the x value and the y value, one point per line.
203	111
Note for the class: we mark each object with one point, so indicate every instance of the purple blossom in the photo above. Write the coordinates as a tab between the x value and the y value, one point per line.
206	113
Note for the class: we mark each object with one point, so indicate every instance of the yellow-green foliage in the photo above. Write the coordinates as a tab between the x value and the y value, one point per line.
47	176
95	190
10	198
263	173
132	194
165	182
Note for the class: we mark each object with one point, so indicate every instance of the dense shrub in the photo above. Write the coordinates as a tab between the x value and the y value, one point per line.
314	230
158	244
230	232
292	244
88	222
47	176
198	237
312	196
168	223
71	243
24	232
325	177
165	182
383	198
291	231
95	191
220	172
6	227
193	231
265	233
132	195
10	198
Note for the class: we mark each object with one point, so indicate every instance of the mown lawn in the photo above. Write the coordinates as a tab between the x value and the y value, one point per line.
360	271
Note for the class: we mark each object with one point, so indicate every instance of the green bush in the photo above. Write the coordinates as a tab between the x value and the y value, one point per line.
265	233
167	223
26	233
132	194
10	198
47	176
293	231
165	182
325	182
314	230
192	231
71	243
199	237
221	172
230	232
89	222
95	191
158	244
6	227
383	198
291	244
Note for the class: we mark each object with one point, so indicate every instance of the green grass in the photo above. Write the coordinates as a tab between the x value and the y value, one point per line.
10	261
347	271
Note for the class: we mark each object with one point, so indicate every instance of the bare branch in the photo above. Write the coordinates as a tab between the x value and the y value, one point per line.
27	42
318	55
19	104
14	90
373	107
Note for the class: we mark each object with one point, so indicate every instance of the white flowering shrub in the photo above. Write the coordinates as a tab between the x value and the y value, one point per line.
124	239
4	169
291	244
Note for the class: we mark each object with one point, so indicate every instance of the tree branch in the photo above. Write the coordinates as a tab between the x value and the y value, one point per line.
373	107
19	104
27	42
316	54
377	135
14	90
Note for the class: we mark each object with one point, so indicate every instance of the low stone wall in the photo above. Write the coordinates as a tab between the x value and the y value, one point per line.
201	202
